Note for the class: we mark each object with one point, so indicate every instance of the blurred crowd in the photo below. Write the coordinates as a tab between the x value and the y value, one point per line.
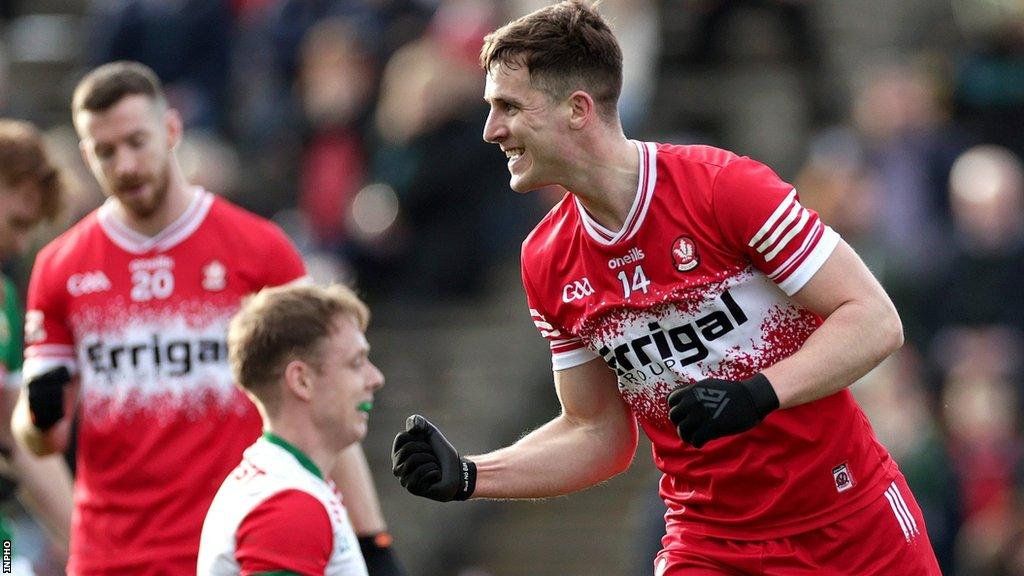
356	124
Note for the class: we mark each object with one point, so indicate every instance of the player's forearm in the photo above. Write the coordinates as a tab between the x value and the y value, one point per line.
558	458
854	339
46	488
33	439
354	481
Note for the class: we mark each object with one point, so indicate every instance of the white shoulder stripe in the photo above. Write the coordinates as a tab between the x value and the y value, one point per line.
770	222
804	217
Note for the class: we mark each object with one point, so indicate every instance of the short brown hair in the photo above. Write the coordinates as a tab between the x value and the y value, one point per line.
281	324
565	47
23	159
107	85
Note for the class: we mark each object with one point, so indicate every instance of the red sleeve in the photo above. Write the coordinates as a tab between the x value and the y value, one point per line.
288	531
761	216
567	349
48	340
284	264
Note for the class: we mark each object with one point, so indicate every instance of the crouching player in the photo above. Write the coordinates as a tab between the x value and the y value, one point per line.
300	353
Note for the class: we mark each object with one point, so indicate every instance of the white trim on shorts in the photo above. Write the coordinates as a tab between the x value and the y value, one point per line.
902	512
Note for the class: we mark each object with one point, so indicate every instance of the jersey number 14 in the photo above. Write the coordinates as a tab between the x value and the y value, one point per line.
640	282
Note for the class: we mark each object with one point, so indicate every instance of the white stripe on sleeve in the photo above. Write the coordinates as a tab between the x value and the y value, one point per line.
770	222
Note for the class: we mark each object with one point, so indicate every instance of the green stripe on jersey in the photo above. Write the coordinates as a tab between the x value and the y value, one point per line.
299	455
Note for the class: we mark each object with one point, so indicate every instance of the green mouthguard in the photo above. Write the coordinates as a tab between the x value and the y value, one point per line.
365	407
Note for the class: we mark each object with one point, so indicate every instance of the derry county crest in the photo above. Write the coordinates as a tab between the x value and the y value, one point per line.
684	254
214	276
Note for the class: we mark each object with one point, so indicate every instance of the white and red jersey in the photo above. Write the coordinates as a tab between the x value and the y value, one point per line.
143	322
276	513
696	284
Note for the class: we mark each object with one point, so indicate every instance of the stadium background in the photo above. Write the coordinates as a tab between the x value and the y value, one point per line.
356	125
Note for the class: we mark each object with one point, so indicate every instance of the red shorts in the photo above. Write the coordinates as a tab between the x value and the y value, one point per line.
884	538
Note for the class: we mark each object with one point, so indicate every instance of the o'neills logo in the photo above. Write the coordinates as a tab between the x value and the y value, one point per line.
684	254
635	255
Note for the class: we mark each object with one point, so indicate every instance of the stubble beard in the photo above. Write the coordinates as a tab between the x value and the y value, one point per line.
146	208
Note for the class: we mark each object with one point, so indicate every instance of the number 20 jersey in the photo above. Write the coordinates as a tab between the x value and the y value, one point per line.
696	284
143	321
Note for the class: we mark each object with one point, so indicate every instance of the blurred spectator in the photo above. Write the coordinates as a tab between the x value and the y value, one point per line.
456	214
715	38
293	58
335	87
903	144
836	181
186	42
391	23
4	79
896	398
989	71
981	399
982	282
910	144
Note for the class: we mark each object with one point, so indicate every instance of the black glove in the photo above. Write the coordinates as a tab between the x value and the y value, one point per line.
713	408
46	397
379	558
428	465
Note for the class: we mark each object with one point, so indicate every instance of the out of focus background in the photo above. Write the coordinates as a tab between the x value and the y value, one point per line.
356	125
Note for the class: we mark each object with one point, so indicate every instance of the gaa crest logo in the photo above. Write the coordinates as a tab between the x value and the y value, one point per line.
684	254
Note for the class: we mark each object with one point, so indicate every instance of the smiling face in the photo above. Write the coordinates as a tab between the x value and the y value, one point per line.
528	125
344	384
128	148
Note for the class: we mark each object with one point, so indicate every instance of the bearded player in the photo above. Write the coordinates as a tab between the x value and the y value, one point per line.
687	289
127	319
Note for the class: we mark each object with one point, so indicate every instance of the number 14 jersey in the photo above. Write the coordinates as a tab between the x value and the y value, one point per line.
696	284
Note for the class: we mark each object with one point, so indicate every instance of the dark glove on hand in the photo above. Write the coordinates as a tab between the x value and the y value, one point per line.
428	465
379	557
713	408
46	397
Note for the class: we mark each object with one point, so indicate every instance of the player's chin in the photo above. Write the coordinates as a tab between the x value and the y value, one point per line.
522	184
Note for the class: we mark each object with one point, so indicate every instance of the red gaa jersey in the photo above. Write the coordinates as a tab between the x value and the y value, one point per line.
696	284
143	321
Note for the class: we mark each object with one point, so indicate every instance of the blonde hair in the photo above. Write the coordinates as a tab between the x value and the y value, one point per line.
278	325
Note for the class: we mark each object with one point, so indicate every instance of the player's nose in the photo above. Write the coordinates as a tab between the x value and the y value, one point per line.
124	162
376	380
494	129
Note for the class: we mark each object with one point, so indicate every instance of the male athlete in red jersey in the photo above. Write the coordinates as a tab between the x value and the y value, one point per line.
686	288
134	301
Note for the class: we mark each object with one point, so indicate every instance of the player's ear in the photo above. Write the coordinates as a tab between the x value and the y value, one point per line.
86	156
174	127
298	379
581	109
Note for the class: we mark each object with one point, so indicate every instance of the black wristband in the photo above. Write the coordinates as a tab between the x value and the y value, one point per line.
761	391
380	560
467	479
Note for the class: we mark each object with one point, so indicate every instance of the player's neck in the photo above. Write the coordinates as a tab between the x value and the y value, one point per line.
305	439
606	180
